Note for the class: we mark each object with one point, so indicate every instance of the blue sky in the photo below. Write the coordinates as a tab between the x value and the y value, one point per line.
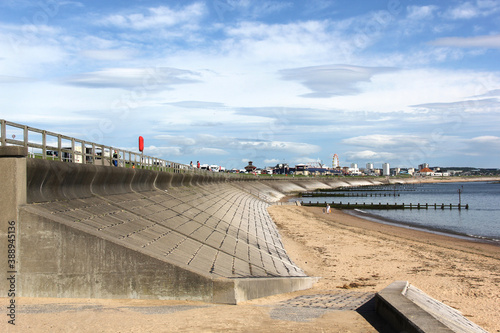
227	81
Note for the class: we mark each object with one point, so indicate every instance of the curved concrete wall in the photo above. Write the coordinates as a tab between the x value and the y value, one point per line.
54	180
164	180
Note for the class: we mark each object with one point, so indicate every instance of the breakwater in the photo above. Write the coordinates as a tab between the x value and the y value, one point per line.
365	205
346	195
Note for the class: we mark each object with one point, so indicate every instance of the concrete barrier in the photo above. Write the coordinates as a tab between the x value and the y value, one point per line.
408	309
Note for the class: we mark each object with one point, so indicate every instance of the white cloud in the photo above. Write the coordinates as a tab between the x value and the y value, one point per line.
468	10
155	18
109	54
177	140
487	139
489	42
384	140
472	105
465	10
371	156
147	78
160	151
329	80
271	161
421	12
256	42
232	143
210	151
13	79
197	105
248	9
491	93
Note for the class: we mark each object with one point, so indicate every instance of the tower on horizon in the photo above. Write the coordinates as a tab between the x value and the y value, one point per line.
335	162
386	170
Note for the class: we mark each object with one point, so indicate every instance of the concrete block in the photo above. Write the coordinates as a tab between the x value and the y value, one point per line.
404	315
13	151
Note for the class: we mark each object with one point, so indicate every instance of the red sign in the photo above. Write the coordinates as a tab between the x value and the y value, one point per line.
141	143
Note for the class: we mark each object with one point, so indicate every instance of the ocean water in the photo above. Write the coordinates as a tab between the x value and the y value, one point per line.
480	221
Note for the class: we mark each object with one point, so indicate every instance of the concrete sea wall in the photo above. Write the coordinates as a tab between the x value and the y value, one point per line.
104	232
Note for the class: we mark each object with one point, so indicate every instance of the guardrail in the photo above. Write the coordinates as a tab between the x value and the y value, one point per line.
53	146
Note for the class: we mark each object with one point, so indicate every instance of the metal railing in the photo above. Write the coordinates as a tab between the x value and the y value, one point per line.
53	146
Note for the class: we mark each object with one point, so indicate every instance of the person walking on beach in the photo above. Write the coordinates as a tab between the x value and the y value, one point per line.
328	208
198	164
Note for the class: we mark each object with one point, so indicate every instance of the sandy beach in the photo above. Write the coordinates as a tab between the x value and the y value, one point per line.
348	253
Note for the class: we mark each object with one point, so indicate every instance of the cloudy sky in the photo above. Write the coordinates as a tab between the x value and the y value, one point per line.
227	81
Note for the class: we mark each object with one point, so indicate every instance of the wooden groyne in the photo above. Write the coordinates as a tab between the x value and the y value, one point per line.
380	205
347	195
372	188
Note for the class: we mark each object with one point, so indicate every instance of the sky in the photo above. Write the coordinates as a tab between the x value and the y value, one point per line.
225	82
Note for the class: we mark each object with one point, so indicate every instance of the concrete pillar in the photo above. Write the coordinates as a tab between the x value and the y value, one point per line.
12	194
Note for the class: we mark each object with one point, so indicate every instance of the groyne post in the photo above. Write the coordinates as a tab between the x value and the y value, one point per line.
12	195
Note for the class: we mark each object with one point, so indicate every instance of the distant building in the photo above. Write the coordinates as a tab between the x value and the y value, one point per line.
301	169
250	167
354	170
282	169
426	172
386	169
423	166
369	166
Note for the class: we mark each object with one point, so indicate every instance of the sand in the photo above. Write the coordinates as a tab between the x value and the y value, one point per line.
350	254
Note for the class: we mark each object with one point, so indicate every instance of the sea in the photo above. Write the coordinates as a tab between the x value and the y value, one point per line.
481	221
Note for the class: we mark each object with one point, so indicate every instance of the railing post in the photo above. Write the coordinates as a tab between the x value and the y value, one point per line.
59	144
4	135
25	136
44	145
73	151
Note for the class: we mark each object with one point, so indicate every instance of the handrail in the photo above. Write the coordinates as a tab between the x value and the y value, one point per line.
68	149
